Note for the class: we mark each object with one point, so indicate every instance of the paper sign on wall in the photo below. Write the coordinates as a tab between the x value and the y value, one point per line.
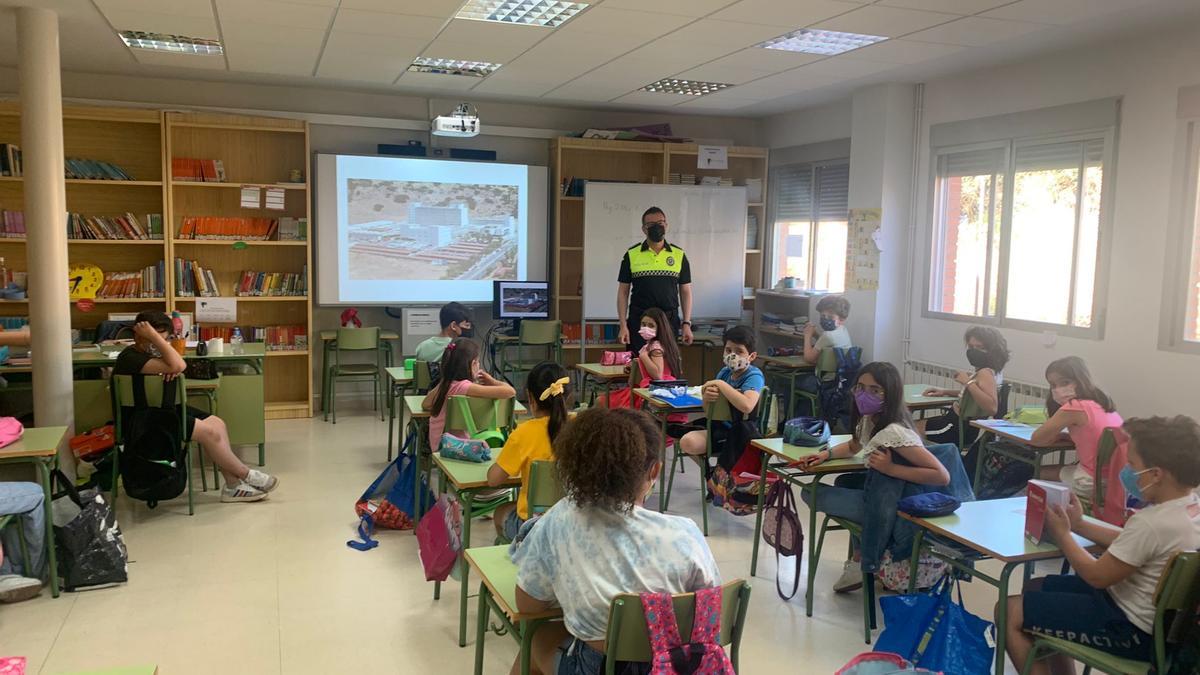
251	196
216	310
422	322
712	157
862	250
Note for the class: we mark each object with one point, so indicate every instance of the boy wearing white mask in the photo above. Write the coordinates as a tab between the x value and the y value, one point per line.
1108	603
740	382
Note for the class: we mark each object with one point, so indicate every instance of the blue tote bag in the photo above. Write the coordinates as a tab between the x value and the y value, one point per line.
935	632
389	502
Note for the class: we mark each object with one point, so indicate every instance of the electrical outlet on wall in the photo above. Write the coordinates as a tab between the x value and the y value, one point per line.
1049	338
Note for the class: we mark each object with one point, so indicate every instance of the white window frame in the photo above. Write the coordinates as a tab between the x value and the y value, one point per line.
1104	243
1185	221
814	220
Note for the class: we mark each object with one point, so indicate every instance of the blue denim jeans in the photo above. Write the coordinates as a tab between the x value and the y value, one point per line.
24	500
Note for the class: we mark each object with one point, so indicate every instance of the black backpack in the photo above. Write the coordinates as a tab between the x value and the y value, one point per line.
153	456
835	393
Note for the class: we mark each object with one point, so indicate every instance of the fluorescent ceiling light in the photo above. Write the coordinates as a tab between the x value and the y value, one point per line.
670	85
549	13
452	67
825	42
161	42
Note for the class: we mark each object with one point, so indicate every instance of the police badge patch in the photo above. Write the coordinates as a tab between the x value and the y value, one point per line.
670	260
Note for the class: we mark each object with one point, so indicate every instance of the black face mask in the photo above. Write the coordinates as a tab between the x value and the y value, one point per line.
656	232
977	358
466	332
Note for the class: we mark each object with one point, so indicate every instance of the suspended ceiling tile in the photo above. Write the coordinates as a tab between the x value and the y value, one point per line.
771	60
606	20
202	61
274	13
492	33
582	91
391	25
154	22
368	58
653	98
727	74
472	51
714	103
790	15
842	68
1062	11
726	33
432	81
686	53
887	21
903	52
975	31
438	8
280	59
252	33
692	8
964	7
490	85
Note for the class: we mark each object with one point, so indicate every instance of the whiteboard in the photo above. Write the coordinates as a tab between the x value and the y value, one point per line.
709	223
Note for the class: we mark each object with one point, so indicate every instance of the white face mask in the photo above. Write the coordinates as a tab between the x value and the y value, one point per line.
736	361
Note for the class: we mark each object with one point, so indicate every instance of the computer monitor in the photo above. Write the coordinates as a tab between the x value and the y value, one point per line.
521	300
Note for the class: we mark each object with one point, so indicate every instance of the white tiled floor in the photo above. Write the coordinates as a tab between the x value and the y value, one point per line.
272	587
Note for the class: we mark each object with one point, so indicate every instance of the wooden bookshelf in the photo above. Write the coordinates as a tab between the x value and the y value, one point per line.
129	138
257	151
633	162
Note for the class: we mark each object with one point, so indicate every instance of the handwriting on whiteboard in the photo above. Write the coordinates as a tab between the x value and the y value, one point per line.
611	207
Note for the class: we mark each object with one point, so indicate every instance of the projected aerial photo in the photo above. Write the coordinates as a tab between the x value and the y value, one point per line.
412	230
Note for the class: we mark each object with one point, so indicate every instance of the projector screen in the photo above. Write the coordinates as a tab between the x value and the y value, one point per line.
395	230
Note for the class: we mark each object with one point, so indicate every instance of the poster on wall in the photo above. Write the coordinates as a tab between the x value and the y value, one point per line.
862	249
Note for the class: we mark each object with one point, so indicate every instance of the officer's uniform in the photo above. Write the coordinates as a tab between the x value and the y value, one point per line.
655	279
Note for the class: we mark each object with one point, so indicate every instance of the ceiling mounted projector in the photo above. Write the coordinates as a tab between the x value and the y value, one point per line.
463	122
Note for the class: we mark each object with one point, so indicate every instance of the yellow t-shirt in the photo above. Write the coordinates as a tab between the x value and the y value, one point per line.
529	442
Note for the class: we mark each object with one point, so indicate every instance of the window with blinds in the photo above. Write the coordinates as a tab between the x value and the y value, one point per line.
809	230
1017	231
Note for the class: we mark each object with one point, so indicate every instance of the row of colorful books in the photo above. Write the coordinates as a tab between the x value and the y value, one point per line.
93	169
595	334
13	322
150	282
275	338
11	162
273	283
12	224
128	226
197	170
192	280
228	227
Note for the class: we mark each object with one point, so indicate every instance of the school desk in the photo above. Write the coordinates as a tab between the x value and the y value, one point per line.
1018	433
498	592
789	368
398	380
39	446
661	409
606	375
777	457
916	400
465	479
329	341
994	529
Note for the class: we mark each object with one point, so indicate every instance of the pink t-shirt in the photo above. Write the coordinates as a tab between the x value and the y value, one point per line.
1086	437
649	348
437	423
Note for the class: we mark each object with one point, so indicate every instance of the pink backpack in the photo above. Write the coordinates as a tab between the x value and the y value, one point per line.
703	655
11	431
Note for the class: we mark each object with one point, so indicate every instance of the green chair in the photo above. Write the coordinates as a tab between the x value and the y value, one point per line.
968	409
868	596
1175	602
545	487
533	333
208	390
825	371
1104	453
121	388
356	340
717	411
489	419
627	638
422	377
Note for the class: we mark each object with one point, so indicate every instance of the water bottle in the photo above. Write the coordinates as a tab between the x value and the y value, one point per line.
236	342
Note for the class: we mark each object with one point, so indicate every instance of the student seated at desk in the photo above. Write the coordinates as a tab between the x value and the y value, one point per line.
151	355
547	389
658	359
1108	604
987	352
456	323
1080	407
460	376
599	542
740	382
883	430
833	311
20	578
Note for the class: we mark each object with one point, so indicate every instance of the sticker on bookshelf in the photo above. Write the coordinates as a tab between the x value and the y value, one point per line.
216	310
239	245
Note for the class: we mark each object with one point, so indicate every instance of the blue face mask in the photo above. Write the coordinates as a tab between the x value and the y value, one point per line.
1129	480
828	324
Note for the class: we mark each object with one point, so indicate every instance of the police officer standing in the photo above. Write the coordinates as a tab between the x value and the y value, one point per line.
660	276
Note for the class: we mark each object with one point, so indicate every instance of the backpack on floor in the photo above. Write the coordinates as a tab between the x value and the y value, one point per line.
153	456
389	501
439	538
702	655
880	663
782	531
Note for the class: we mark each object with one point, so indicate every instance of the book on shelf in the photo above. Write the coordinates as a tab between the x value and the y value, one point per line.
255	284
1041	496
150	282
228	227
293	229
12	224
11	162
127	227
92	169
189	170
192	280
288	338
13	322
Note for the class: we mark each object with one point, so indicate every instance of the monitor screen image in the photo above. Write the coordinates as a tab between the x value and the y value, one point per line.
522	300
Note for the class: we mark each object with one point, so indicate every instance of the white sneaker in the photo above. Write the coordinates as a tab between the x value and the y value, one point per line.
260	480
851	579
15	588
242	492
